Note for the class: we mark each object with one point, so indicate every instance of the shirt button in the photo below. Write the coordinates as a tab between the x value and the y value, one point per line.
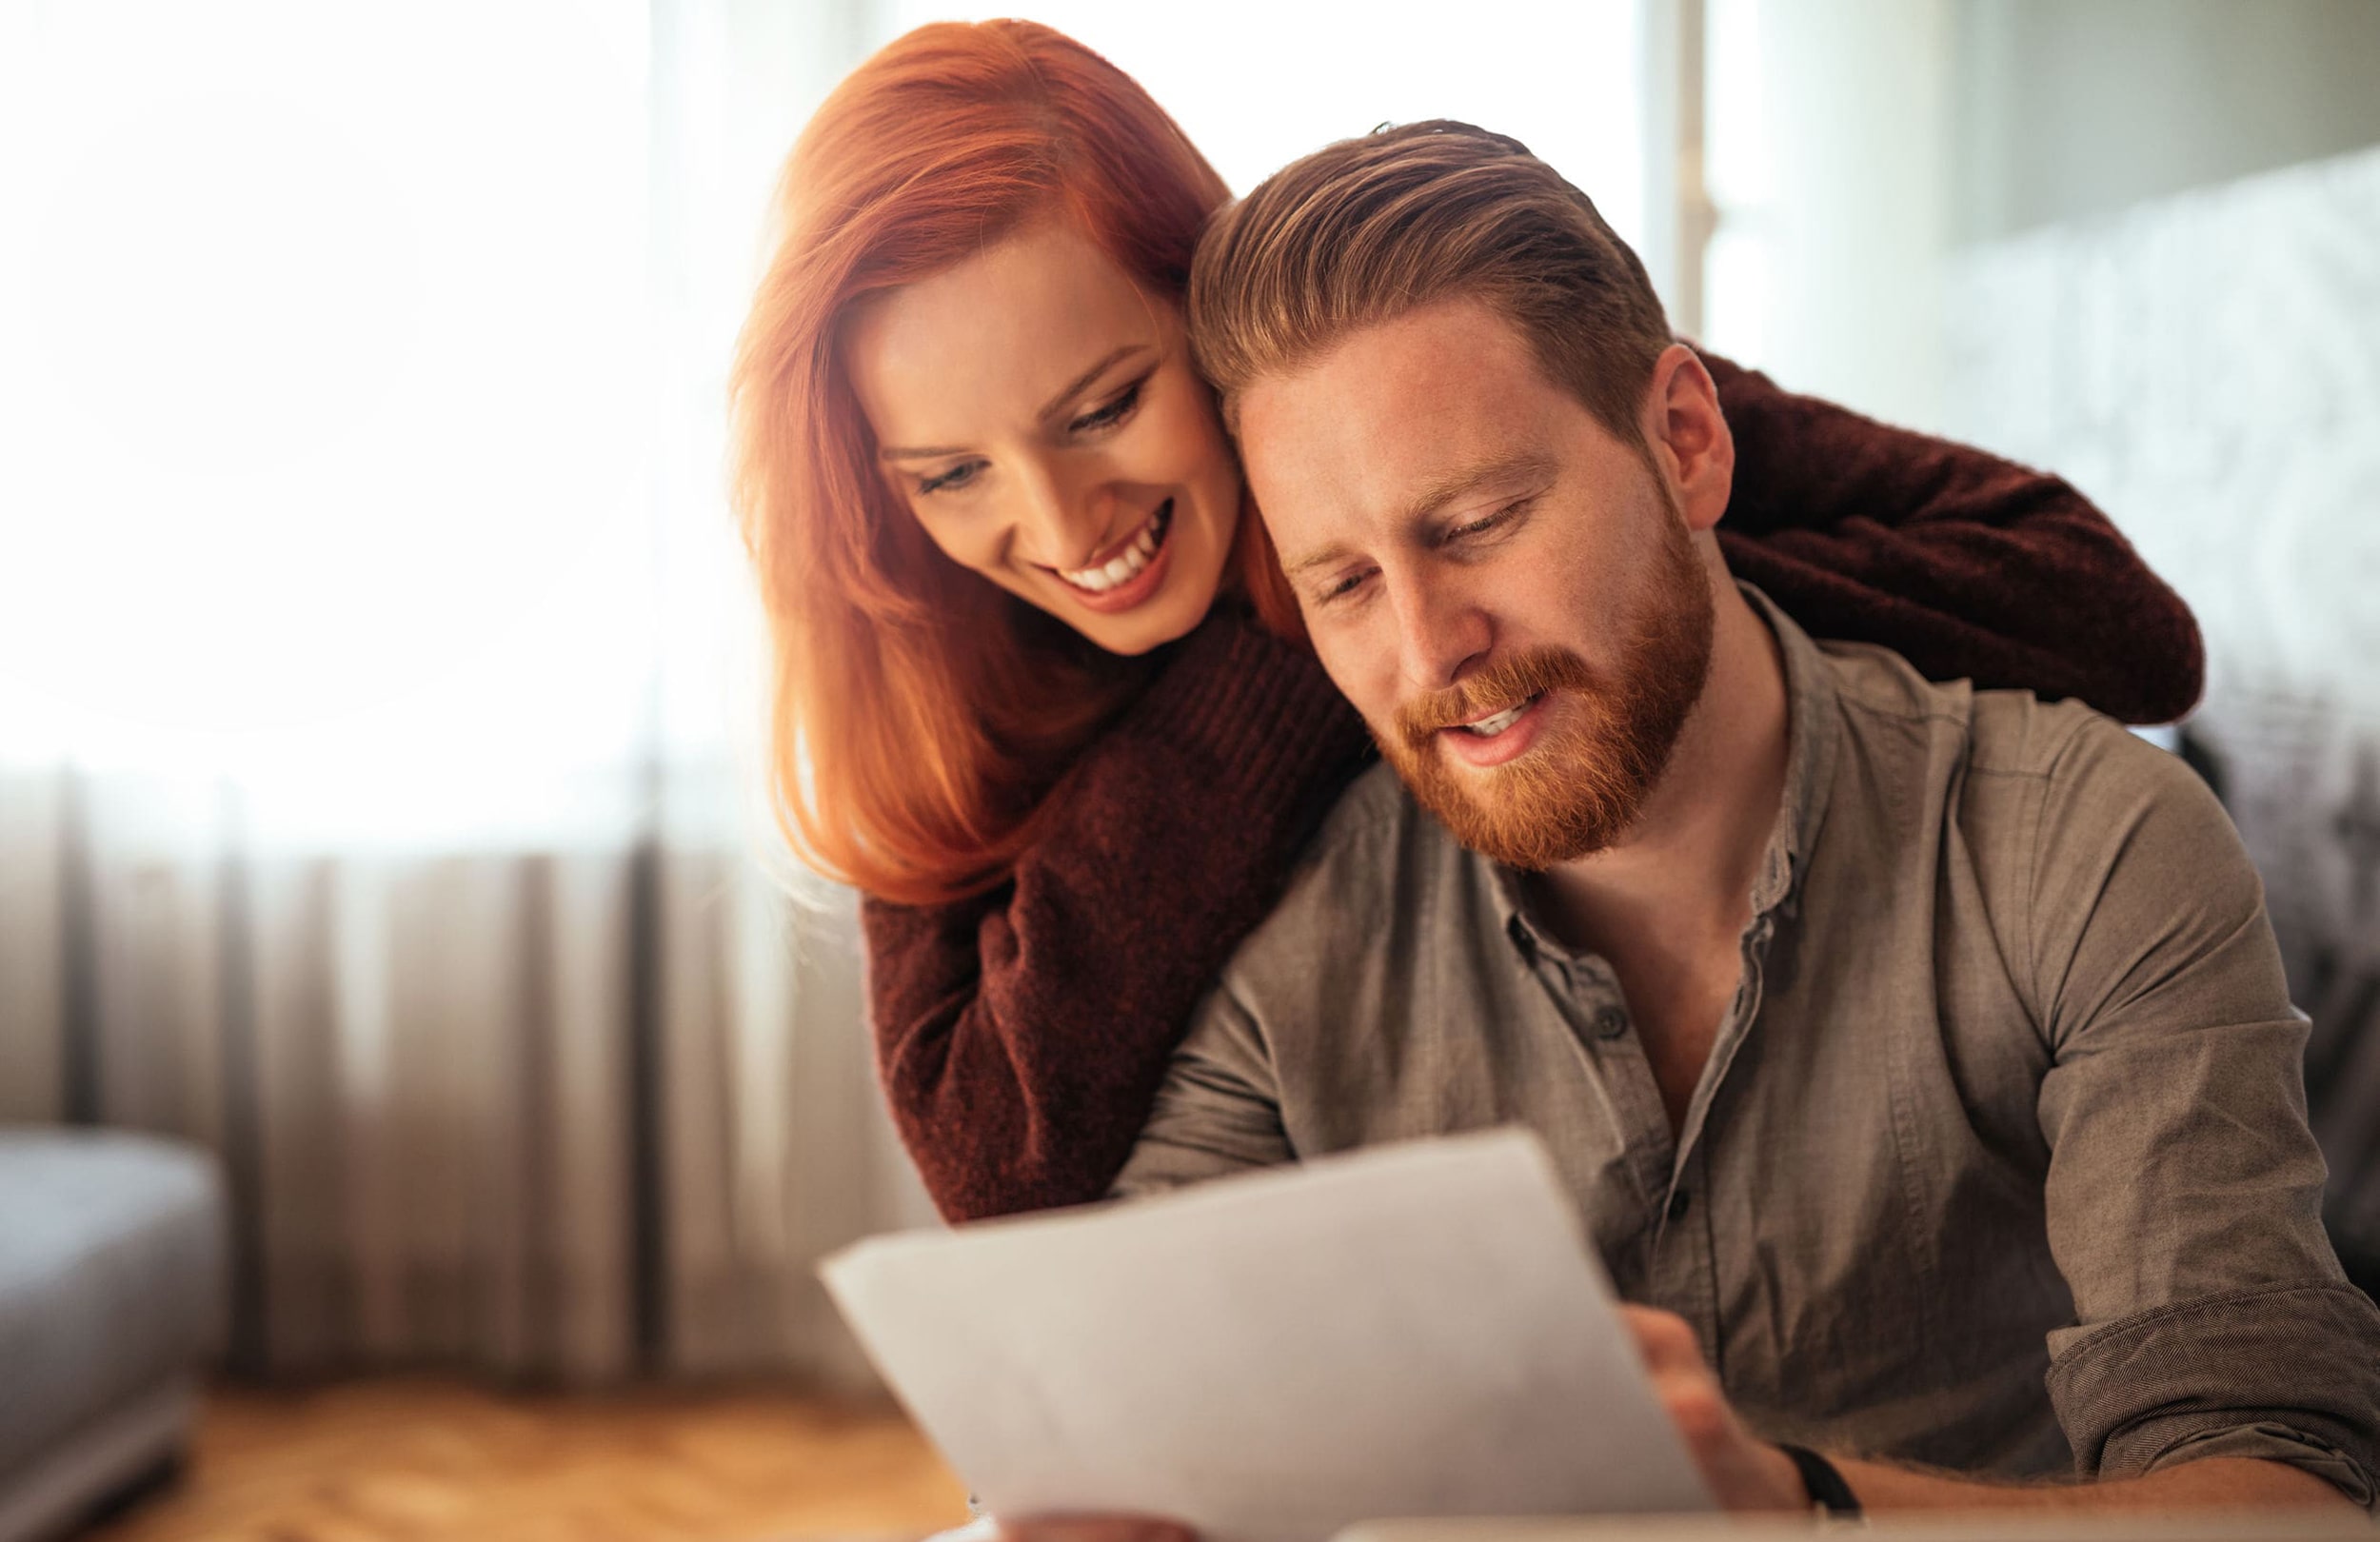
1677	1205
1610	1023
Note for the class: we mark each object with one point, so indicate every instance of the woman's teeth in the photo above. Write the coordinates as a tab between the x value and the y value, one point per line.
1126	567
1490	728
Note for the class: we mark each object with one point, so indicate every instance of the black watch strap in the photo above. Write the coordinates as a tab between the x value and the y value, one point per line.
1827	1489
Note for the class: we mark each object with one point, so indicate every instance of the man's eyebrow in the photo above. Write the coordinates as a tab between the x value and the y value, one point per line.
1335	552
1519	465
1074	388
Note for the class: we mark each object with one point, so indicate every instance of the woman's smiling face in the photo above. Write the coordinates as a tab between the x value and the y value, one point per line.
1037	411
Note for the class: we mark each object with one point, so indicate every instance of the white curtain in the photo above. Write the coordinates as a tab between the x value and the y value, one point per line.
378	689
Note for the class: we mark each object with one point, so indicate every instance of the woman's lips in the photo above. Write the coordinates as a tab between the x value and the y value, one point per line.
1516	729
1133	569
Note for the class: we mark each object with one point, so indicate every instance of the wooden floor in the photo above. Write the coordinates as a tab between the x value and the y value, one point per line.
383	1460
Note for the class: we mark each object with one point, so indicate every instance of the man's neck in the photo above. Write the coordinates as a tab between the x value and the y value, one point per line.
1668	906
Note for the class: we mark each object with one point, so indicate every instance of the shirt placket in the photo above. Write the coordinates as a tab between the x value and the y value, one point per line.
1588	996
1684	1268
1675	1265
1678	1265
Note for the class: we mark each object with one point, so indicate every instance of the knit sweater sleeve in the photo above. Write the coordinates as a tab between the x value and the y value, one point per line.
1964	564
1022	1036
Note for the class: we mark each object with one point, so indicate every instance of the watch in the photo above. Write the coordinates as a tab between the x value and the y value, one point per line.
1827	1489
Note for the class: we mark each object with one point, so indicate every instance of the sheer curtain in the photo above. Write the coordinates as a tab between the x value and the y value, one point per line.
378	685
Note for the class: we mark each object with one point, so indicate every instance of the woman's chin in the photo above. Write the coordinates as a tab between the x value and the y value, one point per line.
1166	617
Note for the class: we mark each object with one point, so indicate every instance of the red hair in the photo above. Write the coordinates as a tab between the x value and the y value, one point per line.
920	713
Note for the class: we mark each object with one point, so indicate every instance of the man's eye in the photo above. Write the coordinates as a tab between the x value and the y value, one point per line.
1113	413
952	480
1509	514
1342	588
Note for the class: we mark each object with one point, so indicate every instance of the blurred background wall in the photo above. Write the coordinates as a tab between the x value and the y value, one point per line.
2137	243
378	682
2066	109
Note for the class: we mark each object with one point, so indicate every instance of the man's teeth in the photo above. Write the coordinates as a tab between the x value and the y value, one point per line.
1136	557
1490	728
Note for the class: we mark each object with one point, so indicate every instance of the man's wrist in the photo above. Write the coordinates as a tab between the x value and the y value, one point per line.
1822	1481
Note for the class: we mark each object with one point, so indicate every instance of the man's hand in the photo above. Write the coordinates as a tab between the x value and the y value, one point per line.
1744	1471
1747	1474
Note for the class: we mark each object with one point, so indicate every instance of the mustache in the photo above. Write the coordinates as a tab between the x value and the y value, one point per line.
1502	685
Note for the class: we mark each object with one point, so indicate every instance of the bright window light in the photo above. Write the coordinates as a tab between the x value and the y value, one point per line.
321	334
1258	83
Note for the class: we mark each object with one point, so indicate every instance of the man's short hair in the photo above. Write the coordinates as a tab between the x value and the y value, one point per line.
1368	230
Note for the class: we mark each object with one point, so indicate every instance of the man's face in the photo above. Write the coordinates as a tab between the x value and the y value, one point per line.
1504	589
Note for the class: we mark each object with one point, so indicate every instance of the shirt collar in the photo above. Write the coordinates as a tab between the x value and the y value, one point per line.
1811	742
1813	728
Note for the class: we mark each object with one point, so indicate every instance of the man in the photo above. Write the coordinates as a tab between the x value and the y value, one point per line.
1922	1054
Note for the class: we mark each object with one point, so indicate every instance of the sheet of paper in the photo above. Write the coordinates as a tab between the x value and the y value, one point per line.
1412	1329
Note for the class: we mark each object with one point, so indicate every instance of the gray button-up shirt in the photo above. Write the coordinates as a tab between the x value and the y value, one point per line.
2000	1162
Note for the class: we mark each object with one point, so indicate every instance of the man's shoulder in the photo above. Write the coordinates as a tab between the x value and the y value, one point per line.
1375	849
2045	792
1374	803
1990	733
1372	836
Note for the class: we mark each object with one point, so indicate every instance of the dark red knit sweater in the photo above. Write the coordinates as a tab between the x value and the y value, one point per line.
1022	1036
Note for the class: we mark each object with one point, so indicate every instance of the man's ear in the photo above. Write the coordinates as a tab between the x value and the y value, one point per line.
1688	435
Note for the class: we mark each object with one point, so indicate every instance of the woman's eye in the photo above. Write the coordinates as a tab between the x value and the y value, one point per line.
950	481
1113	413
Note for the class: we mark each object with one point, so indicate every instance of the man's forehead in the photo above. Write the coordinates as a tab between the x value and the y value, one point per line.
1388	412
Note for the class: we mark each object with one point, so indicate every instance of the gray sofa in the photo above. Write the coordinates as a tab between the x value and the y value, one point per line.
112	1253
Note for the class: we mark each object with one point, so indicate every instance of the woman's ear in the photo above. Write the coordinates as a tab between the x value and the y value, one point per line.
1687	436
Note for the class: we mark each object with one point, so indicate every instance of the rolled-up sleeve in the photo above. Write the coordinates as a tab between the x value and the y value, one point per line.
2185	1189
2179	1383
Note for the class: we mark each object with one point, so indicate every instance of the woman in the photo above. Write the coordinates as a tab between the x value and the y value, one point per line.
1024	700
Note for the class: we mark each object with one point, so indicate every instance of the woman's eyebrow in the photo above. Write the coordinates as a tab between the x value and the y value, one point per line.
1075	387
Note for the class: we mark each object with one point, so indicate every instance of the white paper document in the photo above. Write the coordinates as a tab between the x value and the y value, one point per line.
1414	1330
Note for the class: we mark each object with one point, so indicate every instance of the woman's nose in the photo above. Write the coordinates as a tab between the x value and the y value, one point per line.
1058	525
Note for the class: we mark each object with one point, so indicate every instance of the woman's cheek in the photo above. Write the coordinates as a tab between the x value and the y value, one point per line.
954	541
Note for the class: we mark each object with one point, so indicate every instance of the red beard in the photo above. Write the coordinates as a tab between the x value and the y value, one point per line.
1603	745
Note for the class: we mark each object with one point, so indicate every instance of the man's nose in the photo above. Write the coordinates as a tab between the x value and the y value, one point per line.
1441	631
